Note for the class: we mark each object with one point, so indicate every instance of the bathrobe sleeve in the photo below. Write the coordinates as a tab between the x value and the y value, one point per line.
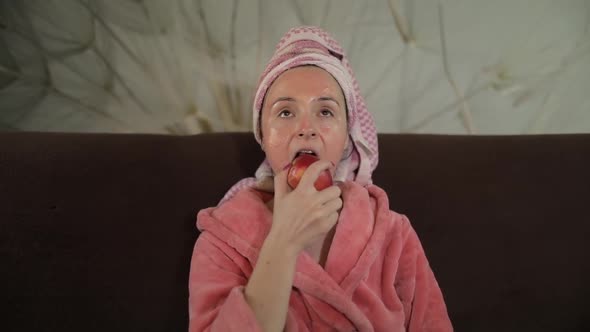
216	286
417	287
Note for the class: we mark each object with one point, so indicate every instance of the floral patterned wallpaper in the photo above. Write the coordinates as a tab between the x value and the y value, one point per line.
190	66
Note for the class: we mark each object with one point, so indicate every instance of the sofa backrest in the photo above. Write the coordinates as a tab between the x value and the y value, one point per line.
97	230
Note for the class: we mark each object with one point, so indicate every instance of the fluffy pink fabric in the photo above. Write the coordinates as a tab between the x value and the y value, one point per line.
376	277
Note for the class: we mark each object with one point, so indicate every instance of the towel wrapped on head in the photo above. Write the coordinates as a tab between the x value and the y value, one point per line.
311	46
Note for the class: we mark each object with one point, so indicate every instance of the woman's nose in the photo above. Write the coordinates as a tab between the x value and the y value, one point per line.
307	132
306	128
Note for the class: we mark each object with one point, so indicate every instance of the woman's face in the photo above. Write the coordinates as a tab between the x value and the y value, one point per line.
304	109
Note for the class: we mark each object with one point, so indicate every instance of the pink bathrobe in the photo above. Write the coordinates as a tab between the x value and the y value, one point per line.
376	277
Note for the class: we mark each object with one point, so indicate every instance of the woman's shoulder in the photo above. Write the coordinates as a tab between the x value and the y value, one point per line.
245	199
381	202
377	200
244	218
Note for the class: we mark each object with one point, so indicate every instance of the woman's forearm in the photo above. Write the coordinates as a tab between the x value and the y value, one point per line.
269	288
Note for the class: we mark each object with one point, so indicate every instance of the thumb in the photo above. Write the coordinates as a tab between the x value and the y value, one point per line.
280	182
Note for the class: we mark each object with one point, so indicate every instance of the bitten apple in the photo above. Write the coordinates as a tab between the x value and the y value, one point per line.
298	167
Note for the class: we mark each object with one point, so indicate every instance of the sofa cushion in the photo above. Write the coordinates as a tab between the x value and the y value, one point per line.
97	230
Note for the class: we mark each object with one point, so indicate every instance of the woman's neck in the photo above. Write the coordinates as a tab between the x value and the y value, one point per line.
320	248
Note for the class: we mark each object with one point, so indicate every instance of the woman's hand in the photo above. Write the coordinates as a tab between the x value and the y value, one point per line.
299	216
303	214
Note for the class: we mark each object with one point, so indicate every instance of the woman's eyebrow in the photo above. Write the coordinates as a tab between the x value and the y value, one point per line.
283	99
328	99
323	98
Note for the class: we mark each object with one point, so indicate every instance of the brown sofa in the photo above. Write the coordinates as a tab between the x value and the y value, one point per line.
97	230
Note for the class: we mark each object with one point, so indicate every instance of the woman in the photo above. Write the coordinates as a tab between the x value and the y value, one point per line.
273	258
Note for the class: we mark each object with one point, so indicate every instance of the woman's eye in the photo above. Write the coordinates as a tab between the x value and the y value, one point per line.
326	112
285	114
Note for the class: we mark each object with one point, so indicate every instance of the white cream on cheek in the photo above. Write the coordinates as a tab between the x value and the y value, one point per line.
272	130
302	85
277	137
276	142
326	128
335	125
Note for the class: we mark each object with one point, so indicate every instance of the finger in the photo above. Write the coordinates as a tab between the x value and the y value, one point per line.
320	226
322	212
329	194
280	182
332	206
328	222
312	172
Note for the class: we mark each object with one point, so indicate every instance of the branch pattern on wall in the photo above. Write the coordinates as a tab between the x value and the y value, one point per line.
190	66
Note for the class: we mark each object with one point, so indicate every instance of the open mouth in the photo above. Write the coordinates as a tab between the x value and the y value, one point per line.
305	151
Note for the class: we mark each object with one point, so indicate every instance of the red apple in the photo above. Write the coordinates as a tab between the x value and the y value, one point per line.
298	167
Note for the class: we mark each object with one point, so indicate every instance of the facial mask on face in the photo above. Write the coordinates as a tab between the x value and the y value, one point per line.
313	46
